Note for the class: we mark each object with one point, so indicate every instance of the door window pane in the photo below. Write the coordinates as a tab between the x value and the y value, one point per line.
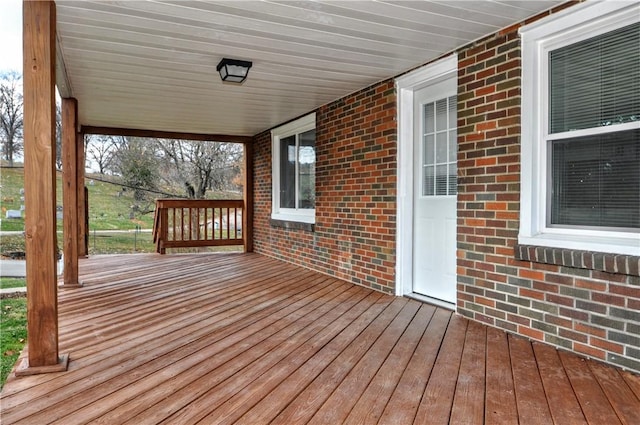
440	148
453	146
429	180
441	115
429	149
429	118
442	145
453	178
442	178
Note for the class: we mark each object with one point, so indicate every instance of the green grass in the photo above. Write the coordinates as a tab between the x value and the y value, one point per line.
12	282
13	321
120	243
110	207
12	243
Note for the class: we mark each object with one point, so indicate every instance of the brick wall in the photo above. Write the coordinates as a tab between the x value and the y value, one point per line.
571	299
585	302
354	234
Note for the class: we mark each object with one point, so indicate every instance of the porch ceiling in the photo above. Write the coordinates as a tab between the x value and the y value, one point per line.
152	64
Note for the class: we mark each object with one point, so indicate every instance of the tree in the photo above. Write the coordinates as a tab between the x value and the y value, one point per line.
200	166
11	118
101	150
58	136
136	162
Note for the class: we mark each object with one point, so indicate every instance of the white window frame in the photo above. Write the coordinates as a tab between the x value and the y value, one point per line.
301	125
570	26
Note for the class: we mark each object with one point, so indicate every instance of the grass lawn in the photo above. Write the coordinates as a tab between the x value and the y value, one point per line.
13	321
110	207
120	243
12	282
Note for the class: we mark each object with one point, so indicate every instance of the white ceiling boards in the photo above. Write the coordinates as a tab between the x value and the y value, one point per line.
152	64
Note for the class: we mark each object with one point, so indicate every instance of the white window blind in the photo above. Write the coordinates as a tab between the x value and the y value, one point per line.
596	181
596	82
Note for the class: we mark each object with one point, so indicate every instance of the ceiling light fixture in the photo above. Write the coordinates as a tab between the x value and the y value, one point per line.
233	70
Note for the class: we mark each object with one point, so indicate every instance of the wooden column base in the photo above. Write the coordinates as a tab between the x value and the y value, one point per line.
71	285
23	368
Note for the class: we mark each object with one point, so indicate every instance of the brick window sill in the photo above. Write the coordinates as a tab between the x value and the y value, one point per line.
589	260
292	225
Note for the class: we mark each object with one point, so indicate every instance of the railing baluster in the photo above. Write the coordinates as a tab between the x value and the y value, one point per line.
173	224
164	228
198	223
205	224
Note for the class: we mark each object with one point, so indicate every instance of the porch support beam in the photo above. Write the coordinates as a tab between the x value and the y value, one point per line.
110	131
247	216
82	205
39	34
70	191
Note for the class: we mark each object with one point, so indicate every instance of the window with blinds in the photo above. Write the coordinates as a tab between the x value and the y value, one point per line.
440	148
593	136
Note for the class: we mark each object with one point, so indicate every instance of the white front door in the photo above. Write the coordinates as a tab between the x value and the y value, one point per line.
434	191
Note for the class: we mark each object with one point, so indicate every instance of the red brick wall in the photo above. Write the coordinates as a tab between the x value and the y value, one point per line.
354	235
585	302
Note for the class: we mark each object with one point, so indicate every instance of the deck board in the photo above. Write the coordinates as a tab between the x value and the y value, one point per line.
500	399
619	394
435	406
245	339
595	405
531	400
563	404
468	402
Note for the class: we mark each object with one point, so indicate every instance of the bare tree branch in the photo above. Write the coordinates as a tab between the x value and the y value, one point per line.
11	118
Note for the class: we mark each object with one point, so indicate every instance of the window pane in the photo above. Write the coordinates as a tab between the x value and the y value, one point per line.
429	181
429	148
442	179
453	179
288	172
441	115
596	181
441	147
596	82
453	145
429	118
453	105
307	170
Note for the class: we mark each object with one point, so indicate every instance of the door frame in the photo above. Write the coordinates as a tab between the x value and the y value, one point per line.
406	86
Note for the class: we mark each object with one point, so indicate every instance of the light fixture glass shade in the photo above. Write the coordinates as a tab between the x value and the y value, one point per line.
233	70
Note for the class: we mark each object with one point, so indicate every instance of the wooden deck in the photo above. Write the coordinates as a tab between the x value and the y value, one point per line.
244	339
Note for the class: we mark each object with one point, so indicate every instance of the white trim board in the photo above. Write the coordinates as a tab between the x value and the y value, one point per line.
406	86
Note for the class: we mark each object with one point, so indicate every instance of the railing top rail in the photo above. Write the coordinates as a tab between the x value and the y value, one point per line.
199	203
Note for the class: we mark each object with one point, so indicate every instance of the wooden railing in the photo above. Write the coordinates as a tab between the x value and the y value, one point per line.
189	223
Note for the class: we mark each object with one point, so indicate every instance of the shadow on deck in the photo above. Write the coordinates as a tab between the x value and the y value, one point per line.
245	339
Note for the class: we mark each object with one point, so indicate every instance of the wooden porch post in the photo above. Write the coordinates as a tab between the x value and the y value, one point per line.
70	191
83	245
39	34
247	215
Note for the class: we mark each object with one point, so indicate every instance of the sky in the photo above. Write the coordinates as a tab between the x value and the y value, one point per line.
11	35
